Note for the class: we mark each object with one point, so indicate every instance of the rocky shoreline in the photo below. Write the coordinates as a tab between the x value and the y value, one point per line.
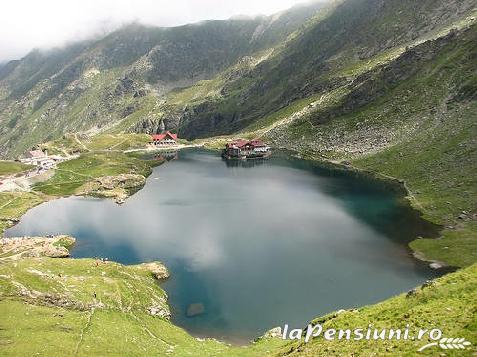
35	247
119	187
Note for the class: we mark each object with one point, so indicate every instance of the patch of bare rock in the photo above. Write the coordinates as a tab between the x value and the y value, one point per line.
116	187
27	247
158	270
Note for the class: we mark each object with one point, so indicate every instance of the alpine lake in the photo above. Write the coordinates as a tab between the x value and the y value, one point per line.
251	245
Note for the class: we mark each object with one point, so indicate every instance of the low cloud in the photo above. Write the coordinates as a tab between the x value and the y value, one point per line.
27	24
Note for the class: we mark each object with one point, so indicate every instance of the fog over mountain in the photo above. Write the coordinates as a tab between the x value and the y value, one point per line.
27	24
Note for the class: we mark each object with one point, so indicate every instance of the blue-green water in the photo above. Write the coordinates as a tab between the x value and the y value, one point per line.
258	245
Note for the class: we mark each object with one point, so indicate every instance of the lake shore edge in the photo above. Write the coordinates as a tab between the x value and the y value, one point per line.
335	165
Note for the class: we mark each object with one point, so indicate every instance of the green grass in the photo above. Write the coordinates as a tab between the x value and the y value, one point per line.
115	322
196	93
449	305
12	167
438	170
456	247
71	175
118	141
72	143
67	145
104	312
14	204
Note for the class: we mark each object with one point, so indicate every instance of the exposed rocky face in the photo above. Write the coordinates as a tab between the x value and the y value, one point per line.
157	269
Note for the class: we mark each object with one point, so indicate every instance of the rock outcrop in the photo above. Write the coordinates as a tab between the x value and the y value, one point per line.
27	247
117	187
158	270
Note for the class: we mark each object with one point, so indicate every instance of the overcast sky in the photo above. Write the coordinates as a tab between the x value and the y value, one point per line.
27	24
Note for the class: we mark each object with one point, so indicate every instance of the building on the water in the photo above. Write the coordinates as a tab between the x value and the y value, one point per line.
164	139
245	149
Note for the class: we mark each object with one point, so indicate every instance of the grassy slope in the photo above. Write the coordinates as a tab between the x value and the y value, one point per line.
439	160
118	142
438	170
11	167
14	204
449	304
116	322
71	143
341	38
70	175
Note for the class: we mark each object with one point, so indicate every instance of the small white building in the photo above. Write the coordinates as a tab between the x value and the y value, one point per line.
40	159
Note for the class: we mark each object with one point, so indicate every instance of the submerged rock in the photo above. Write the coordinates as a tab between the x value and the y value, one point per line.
195	309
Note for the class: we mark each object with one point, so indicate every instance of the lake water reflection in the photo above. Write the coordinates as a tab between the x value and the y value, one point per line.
257	245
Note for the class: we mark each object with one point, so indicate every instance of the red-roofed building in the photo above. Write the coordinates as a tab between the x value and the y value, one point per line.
164	139
244	149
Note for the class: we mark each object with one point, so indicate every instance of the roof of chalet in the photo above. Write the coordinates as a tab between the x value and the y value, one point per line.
241	143
167	134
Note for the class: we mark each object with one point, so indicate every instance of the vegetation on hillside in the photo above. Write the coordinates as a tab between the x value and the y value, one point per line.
100	168
15	204
71	176
425	139
327	54
81	306
11	167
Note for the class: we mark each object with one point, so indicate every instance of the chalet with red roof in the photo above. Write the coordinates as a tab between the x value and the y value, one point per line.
246	149
164	139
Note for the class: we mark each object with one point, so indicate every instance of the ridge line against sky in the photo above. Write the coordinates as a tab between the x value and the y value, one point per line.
28	24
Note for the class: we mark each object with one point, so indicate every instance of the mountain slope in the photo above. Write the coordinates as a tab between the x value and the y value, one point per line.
413	118
347	35
94	84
